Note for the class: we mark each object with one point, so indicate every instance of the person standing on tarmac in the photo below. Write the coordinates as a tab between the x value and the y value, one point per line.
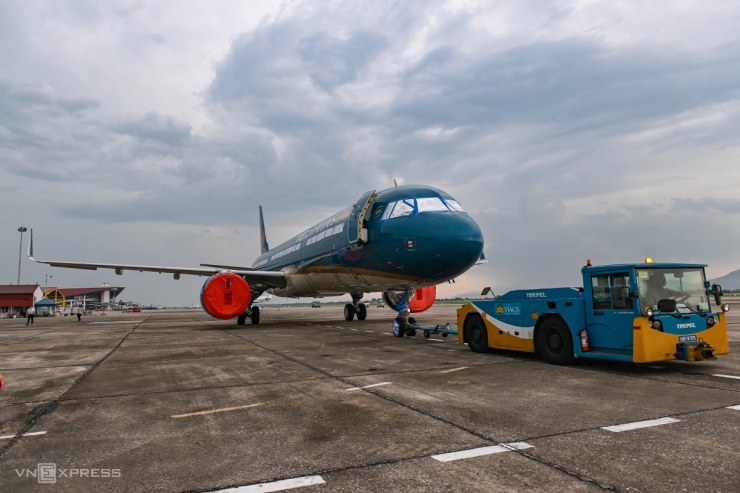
79	313
30	313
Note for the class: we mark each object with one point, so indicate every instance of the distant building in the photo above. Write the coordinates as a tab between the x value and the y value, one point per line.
15	299
83	297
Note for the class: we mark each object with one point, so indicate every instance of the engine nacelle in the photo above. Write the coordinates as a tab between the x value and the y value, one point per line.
423	299
225	295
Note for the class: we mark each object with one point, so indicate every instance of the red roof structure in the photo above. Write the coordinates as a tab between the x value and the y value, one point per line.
17	295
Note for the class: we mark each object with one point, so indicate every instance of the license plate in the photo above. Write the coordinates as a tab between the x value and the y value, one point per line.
688	338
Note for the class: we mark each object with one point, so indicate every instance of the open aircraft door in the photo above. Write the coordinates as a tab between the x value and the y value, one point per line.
356	232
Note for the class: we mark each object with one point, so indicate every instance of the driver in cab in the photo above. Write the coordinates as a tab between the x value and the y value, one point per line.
656	290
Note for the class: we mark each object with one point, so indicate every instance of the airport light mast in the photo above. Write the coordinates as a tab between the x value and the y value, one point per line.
21	230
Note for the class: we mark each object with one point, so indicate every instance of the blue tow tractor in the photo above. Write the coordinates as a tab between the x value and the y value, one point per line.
641	313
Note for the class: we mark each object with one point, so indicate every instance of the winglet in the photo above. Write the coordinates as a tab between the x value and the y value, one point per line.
263	237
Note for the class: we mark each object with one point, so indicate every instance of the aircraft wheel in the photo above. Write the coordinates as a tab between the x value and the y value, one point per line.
427	334
409	331
349	312
241	319
554	342
476	334
255	317
361	311
399	327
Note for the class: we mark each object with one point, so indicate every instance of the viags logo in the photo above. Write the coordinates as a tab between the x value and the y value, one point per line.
508	309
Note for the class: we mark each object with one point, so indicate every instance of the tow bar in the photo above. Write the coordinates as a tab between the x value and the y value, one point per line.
444	330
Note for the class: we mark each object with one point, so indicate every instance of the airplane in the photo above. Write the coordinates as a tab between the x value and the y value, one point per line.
402	241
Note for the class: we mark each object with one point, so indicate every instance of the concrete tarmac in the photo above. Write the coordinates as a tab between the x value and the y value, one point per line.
179	401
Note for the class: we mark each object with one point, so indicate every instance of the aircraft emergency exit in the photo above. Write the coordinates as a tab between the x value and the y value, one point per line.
402	241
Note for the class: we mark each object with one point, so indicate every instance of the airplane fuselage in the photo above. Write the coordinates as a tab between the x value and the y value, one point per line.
395	239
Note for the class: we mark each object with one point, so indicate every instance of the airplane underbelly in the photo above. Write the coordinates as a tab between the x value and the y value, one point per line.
333	283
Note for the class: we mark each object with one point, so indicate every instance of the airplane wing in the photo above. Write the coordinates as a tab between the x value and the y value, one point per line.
269	279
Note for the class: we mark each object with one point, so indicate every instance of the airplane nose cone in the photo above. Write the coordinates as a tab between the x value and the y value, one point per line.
459	246
438	247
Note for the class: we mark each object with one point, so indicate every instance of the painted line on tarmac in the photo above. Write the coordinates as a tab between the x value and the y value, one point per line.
285	484
370	331
108	322
478	452
736	408
725	376
640	424
215	411
33	433
369	386
455	369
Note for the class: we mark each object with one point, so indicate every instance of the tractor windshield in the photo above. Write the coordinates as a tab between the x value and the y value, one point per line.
684	285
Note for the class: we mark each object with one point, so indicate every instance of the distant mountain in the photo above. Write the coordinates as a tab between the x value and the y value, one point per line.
728	282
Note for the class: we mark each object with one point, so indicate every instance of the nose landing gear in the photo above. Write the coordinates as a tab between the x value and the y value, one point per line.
403	324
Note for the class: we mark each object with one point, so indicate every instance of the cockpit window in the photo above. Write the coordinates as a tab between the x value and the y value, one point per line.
401	208
411	206
430	204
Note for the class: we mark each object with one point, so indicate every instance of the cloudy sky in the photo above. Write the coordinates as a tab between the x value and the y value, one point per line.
149	132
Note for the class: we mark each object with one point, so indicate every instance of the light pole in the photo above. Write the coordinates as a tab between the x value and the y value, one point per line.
21	230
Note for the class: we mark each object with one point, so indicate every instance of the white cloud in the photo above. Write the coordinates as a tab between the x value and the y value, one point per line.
149	132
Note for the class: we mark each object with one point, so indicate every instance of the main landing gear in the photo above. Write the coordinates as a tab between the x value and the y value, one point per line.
355	308
253	313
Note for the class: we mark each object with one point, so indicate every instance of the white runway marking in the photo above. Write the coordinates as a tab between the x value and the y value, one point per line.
285	484
370	331
725	376
215	411
477	452
455	369
33	433
369	386
640	424
736	408
107	322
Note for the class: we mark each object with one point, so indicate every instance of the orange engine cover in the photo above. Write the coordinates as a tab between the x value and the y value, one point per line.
423	299
225	295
